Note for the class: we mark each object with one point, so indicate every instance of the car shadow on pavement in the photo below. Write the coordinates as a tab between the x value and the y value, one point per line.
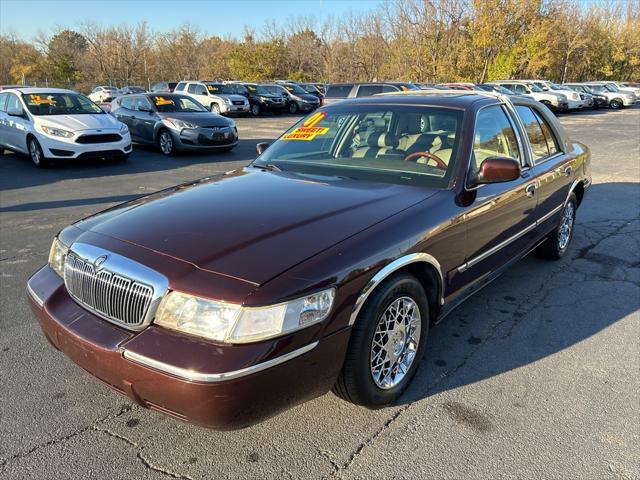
540	308
17	171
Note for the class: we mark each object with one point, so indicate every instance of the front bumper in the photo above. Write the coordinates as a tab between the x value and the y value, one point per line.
575	104
69	149
306	106
218	386
205	139
227	109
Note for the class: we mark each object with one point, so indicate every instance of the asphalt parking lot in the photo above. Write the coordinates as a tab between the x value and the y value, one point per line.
538	376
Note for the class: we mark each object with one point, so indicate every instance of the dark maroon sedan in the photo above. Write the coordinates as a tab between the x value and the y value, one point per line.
321	265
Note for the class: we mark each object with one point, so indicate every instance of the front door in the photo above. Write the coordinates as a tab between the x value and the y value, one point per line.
501	220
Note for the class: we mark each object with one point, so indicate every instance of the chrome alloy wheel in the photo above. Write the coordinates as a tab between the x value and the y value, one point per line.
166	143
566	225
35	152
395	342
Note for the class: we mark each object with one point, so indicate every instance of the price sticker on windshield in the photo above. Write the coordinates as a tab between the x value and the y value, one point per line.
38	100
162	101
305	133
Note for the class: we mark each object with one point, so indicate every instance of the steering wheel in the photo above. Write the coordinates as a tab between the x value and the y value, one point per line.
431	156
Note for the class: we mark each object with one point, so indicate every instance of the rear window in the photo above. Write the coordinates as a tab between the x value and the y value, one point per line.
339	91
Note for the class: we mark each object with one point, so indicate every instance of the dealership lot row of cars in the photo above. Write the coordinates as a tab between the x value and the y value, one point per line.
54	124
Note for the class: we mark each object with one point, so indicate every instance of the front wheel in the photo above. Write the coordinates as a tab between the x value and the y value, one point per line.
166	143
616	104
293	107
386	344
36	153
255	109
557	243
215	108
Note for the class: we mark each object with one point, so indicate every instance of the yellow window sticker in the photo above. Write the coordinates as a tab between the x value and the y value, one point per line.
38	100
162	101
211	88
314	119
305	133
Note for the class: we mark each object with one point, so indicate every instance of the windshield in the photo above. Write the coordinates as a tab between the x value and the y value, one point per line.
176	103
611	87
534	88
394	144
296	89
60	104
258	89
310	89
217	88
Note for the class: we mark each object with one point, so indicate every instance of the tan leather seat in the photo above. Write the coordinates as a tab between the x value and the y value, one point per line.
379	143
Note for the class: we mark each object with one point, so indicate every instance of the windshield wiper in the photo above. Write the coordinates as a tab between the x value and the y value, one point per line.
268	166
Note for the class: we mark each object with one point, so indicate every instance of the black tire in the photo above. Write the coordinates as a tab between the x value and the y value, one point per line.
293	108
355	383
166	144
35	153
256	110
215	108
616	104
554	247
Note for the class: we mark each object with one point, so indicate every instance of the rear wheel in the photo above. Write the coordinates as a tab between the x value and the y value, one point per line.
166	143
616	104
36	153
386	343
557	243
293	107
215	108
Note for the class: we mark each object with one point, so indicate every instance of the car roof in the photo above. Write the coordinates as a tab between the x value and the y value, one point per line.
439	98
29	90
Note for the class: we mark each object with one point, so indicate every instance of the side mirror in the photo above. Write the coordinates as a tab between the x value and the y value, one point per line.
261	147
496	170
15	112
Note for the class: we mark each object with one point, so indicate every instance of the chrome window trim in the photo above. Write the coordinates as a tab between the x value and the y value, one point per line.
124	267
511	239
193	376
388	270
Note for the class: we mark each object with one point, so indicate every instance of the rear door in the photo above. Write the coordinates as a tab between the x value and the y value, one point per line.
144	119
553	168
3	118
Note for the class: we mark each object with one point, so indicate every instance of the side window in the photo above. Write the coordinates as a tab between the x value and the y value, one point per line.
339	91
12	102
3	99
368	90
192	88
389	88
142	104
552	144
179	87
127	102
201	90
538	142
494	136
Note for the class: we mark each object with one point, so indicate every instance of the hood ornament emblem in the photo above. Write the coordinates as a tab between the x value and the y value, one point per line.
98	262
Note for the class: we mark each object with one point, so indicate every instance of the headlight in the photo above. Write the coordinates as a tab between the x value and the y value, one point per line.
232	323
57	256
124	128
263	99
57	132
178	124
227	101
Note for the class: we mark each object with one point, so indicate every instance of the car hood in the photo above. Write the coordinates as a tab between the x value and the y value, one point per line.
202	119
79	122
252	224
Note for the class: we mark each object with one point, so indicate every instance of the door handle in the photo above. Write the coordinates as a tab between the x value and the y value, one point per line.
568	170
530	190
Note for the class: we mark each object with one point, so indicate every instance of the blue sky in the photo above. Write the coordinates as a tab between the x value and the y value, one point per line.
26	18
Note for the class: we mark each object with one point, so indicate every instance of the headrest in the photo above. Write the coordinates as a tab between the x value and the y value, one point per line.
373	123
382	139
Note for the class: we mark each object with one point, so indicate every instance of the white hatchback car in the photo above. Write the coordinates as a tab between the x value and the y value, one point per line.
104	94
51	123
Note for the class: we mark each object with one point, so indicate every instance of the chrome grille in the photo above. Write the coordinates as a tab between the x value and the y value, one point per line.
112	296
